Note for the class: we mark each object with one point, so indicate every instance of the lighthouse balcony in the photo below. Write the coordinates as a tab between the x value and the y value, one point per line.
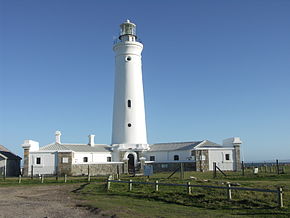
117	40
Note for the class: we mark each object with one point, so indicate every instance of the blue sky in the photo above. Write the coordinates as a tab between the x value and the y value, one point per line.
211	70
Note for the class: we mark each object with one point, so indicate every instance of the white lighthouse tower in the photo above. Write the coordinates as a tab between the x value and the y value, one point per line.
129	125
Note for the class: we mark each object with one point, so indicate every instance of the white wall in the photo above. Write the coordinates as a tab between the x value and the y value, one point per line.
128	86
164	156
99	157
218	156
48	163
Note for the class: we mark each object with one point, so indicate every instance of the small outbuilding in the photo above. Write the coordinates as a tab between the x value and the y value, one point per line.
9	162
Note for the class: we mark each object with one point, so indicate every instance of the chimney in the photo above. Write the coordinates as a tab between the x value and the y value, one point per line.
57	137
92	140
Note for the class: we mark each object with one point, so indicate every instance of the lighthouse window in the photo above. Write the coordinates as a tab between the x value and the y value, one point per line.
129	103
85	159
128	58
129	124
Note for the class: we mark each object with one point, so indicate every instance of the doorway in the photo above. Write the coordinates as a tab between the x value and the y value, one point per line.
131	164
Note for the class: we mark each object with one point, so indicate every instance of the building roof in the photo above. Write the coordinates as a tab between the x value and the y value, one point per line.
174	146
2	148
76	147
209	144
10	156
177	146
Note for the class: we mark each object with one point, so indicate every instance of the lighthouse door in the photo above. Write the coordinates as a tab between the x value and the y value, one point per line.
131	165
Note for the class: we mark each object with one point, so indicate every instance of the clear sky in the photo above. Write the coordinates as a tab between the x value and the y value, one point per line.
211	70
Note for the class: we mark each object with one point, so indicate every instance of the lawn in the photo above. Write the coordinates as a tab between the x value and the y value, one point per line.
172	201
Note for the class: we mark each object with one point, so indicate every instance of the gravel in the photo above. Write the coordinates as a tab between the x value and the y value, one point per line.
49	201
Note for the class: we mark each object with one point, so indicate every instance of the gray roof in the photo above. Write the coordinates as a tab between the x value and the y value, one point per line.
2	148
174	146
177	146
10	156
210	144
76	147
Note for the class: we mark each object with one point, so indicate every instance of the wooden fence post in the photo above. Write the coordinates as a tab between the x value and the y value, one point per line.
19	179
65	178
42	178
130	185
156	186
277	165
181	171
31	172
214	169
188	188
109	183
243	168
89	175
229	192
118	172
280	197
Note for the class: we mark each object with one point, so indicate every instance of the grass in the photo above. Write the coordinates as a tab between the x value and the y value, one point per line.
144	201
171	201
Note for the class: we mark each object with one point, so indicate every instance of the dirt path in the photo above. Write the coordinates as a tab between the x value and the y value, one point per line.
49	201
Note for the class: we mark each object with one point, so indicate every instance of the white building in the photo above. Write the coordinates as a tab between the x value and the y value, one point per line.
129	150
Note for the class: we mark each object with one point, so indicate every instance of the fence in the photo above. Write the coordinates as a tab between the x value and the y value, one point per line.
277	166
42	177
188	186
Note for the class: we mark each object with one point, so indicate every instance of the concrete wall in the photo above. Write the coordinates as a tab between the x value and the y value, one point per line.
64	163
97	169
26	164
47	164
237	158
164	156
100	157
218	156
171	166
201	157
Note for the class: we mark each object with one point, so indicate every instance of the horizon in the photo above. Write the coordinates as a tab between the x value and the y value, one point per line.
211	70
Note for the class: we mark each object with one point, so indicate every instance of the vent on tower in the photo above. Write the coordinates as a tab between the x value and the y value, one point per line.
129	103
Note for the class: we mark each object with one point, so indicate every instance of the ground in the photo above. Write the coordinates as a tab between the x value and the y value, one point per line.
42	201
89	197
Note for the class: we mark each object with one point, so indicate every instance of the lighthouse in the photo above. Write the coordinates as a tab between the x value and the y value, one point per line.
129	125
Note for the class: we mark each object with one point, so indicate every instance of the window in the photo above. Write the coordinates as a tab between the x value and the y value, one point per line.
176	157
227	156
109	159
128	58
129	103
129	124
38	160
85	159
152	158
65	160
